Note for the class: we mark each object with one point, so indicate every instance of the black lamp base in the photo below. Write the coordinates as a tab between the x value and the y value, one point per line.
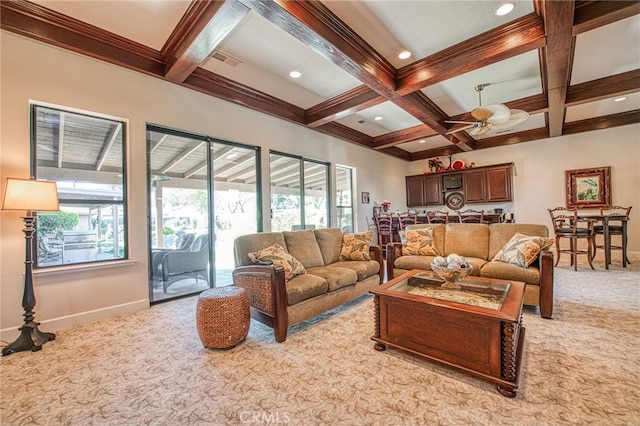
30	339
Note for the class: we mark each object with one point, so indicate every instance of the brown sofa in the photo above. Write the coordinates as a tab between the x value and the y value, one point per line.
327	283
479	243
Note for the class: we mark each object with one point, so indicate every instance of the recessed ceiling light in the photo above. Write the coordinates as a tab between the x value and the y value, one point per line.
295	74
422	141
378	118
505	8
620	99
405	54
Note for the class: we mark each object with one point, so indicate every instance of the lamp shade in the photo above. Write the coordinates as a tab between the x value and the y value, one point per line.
30	195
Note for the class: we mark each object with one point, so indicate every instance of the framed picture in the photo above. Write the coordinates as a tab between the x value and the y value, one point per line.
365	198
588	188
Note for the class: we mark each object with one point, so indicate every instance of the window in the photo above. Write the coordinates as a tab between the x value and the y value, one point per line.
344	198
294	179
84	155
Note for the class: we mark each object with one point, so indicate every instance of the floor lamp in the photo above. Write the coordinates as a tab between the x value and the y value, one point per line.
29	195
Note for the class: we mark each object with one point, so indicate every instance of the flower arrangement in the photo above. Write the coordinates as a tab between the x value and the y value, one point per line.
385	205
435	162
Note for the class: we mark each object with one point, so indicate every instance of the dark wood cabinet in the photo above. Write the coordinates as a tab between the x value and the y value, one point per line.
479	185
499	183
424	190
474	186
415	191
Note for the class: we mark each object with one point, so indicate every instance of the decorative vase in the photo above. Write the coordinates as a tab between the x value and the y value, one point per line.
385	208
434	169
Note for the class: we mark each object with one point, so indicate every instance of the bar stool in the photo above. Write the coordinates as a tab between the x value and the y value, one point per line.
566	225
437	216
613	213
471	216
406	218
384	223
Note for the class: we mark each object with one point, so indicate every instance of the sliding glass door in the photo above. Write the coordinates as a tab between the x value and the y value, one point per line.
202	194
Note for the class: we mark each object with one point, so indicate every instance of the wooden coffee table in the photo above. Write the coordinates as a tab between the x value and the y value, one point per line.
477	328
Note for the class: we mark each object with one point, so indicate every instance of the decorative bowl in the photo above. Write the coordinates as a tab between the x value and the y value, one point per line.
452	273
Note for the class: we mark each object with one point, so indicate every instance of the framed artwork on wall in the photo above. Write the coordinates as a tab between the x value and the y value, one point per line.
365	198
588	188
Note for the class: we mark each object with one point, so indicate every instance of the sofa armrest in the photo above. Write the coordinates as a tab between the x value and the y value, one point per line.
266	288
545	264
394	251
375	252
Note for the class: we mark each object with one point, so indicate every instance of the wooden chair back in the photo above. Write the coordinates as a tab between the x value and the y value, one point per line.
406	218
471	216
437	216
566	224
615	211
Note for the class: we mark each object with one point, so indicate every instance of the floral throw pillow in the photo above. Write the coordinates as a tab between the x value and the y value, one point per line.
418	242
356	246
522	250
277	255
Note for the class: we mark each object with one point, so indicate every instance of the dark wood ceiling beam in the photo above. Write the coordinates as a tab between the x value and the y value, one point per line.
348	134
202	28
506	41
601	123
403	136
603	88
397	152
316	26
42	24
343	105
590	15
513	138
557	58
221	87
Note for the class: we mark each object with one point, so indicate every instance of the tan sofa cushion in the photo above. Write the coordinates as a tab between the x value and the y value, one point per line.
501	233
356	246
363	268
413	262
477	263
303	246
336	277
330	243
467	239
507	271
305	287
246	244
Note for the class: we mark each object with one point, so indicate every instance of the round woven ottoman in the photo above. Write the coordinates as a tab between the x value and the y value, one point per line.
223	317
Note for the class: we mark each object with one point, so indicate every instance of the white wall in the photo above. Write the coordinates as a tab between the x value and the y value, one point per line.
539	180
38	72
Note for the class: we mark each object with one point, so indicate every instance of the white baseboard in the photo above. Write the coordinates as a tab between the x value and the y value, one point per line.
61	323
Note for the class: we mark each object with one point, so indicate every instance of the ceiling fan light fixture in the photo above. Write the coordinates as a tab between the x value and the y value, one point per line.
505	9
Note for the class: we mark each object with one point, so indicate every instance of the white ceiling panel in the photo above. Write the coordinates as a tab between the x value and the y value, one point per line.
603	107
608	50
425	144
146	22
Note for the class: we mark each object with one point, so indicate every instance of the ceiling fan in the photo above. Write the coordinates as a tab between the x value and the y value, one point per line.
490	117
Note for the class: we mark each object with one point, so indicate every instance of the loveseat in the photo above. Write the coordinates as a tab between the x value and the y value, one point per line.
482	245
283	293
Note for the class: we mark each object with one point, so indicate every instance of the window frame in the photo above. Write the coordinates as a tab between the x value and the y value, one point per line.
115	204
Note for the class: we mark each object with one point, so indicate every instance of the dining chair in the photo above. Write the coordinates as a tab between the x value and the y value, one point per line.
437	216
384	223
617	229
406	218
566	225
471	216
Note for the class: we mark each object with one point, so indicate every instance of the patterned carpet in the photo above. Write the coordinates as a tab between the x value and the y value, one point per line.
150	368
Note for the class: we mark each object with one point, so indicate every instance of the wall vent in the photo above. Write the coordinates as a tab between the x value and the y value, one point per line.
223	57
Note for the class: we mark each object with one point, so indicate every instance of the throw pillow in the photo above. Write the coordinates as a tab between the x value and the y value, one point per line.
277	255
356	246
418	242
522	250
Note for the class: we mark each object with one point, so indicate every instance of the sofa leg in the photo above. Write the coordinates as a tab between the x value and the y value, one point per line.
280	333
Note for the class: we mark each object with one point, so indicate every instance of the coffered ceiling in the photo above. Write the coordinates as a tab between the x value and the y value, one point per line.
563	62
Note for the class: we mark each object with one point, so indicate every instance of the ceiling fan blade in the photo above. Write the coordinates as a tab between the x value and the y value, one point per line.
517	117
479	130
500	113
461	129
460	122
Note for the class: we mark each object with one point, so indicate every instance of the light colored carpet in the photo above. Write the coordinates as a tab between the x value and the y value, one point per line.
150	368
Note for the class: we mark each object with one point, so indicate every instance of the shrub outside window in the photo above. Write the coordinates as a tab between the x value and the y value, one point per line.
85	155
